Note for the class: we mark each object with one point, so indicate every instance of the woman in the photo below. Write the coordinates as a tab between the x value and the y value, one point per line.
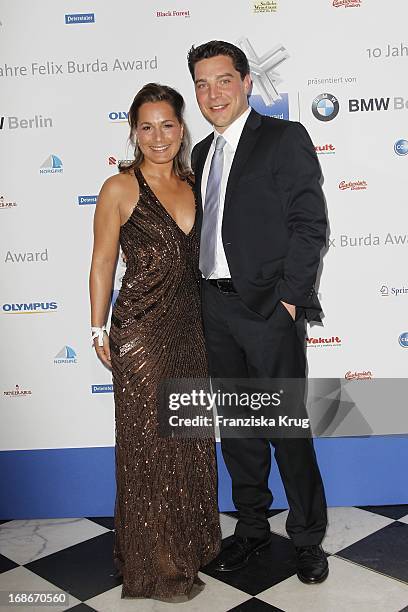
166	519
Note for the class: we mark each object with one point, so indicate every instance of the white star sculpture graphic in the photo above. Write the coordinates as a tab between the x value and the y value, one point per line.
263	69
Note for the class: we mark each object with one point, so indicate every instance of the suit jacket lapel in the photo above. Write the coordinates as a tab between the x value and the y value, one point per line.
246	144
202	156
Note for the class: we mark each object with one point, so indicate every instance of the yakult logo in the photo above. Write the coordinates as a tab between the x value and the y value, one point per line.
327	149
319	342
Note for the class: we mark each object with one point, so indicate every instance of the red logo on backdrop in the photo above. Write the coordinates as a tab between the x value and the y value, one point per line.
182	13
113	161
327	149
358	375
347	3
322	342
353	185
17	392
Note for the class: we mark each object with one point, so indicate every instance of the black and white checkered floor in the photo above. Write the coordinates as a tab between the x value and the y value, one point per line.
367	548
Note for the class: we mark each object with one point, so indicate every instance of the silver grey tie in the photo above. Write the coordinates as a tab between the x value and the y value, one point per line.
210	218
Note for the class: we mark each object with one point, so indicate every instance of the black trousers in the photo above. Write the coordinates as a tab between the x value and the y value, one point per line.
242	344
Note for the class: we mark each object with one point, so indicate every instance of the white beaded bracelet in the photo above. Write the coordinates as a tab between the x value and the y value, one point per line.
97	332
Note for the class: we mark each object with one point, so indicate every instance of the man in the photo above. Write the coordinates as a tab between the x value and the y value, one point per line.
263	224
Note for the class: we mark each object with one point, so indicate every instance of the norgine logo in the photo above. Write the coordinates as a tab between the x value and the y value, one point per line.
66	355
52	165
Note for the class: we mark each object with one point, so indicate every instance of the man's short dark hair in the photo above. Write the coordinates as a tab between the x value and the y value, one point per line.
218	47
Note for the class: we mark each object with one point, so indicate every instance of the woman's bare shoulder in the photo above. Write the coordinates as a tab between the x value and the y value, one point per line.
120	185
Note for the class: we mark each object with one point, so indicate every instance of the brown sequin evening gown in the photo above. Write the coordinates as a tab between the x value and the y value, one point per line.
166	517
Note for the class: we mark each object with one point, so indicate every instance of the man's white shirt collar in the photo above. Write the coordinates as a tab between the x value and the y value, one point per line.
233	132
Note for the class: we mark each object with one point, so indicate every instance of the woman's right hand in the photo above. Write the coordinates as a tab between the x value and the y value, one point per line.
104	257
103	352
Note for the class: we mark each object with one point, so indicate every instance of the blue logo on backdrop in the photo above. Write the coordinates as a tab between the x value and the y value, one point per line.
102	388
80	18
118	116
403	340
325	107
51	165
31	308
66	355
401	147
279	109
87	199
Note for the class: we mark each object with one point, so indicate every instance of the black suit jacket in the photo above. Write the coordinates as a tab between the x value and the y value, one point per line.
274	222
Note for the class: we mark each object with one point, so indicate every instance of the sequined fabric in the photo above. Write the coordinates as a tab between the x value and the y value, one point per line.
166	517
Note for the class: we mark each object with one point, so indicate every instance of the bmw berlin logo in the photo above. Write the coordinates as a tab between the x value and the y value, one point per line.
401	147
325	107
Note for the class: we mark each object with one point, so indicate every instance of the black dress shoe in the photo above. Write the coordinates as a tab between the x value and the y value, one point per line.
237	554
311	564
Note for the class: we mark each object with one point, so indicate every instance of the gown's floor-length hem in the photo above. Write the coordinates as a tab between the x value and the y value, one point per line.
166	515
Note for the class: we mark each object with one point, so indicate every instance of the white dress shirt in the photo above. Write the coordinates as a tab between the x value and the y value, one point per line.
232	135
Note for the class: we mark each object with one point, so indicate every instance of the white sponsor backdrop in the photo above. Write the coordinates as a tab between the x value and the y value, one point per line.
75	81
